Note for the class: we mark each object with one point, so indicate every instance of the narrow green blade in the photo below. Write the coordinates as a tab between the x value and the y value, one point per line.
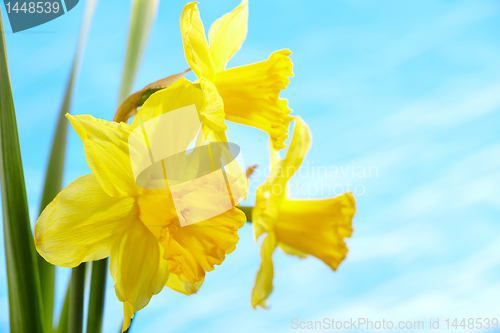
76	296
25	303
143	14
55	169
96	300
62	326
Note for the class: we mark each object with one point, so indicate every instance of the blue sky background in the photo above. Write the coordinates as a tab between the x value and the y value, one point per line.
411	88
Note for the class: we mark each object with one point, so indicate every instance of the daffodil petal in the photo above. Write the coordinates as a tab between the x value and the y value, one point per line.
212	110
157	211
317	227
81	223
227	34
275	156
181	285
251	95
264	280
107	152
195	249
264	213
195	42
299	146
138	269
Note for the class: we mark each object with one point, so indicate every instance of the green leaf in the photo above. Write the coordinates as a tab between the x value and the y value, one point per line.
76	295
25	303
96	300
143	14
62	326
55	169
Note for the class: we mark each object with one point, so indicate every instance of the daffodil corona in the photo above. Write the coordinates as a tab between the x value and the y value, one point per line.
298	227
107	214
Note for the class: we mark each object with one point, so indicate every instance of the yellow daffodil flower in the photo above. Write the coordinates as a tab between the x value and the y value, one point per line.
250	93
106	213
298	227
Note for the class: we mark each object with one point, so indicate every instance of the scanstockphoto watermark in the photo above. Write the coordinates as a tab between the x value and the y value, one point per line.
355	324
311	180
364	323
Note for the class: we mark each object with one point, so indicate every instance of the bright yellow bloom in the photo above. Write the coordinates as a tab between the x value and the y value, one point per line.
106	214
250	93
298	227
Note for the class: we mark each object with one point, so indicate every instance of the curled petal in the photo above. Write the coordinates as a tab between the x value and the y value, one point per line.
284	170
264	281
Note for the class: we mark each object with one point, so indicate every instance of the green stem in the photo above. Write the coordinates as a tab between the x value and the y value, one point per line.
96	301
248	212
25	303
76	295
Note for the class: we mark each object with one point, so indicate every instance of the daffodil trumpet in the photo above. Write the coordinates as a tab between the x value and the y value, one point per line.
299	227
